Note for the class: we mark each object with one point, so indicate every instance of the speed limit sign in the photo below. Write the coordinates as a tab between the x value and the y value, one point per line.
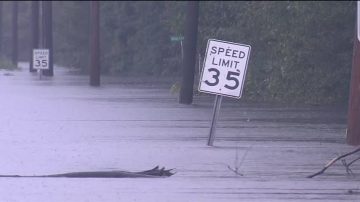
224	69
41	59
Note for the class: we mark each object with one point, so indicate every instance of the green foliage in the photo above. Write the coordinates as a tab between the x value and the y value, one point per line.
5	63
301	51
71	33
23	30
137	40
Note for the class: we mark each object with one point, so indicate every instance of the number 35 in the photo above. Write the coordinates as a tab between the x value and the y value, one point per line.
231	76
40	63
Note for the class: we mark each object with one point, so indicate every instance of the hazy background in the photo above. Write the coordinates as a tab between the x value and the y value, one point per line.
301	51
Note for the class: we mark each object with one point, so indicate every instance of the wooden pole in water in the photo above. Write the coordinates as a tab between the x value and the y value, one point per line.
15	32
189	61
353	130
48	38
1	15
94	44
34	31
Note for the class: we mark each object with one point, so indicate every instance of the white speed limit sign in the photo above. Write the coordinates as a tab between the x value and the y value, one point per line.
41	58
224	69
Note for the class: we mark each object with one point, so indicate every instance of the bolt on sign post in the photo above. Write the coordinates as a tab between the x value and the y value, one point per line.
223	74
41	60
353	125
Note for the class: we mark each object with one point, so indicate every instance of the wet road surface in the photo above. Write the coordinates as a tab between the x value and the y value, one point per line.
60	124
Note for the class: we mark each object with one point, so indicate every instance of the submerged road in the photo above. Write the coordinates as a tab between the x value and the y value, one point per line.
60	125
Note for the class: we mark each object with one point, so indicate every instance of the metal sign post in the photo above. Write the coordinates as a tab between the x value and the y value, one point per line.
223	74
215	115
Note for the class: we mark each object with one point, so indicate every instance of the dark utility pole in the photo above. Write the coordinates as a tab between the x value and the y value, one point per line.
94	44
190	39
353	130
34	31
1	6
14	33
47	34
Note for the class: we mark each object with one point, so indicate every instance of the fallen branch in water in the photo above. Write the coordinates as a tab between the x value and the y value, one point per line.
155	172
236	170
347	165
238	164
333	161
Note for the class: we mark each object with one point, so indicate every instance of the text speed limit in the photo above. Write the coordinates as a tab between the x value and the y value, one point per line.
224	68
41	58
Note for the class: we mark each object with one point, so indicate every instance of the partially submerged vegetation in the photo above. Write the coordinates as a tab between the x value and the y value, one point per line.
6	64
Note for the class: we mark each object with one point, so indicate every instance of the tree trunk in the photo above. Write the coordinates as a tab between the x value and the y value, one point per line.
94	44
353	130
190	40
47	33
34	31
15	33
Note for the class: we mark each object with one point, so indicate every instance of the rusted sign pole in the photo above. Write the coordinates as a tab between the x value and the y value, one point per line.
353	130
94	44
215	116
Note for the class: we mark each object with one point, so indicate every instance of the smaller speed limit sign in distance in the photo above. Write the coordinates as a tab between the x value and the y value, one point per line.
224	68
41	59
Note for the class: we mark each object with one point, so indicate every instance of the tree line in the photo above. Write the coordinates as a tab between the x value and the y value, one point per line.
301	51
